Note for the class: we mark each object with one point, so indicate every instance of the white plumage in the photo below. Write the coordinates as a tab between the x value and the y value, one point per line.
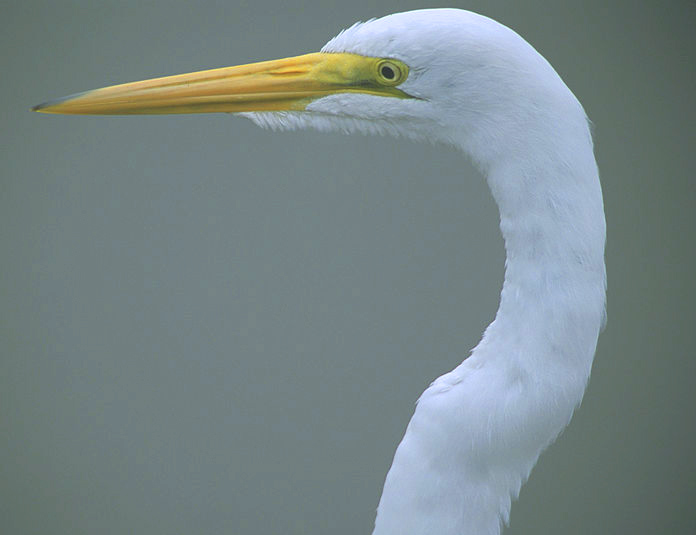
476	85
478	430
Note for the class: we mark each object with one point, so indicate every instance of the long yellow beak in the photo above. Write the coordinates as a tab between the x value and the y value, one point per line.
284	84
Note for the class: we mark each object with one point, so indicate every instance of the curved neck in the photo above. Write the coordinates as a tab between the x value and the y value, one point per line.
478	430
552	301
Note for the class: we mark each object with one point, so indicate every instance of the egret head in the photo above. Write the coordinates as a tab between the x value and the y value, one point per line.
444	75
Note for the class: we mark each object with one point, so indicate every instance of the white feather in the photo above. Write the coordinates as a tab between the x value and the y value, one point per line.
478	430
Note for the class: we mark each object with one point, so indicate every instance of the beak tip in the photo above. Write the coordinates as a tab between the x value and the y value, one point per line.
45	107
48	106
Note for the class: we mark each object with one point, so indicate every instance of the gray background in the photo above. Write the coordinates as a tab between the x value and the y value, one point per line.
206	327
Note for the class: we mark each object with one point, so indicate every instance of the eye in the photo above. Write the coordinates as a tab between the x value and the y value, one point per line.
387	72
391	72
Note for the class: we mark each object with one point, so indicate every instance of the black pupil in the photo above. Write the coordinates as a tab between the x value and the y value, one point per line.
388	72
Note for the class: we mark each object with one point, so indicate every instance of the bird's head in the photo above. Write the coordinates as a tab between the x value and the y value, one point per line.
444	75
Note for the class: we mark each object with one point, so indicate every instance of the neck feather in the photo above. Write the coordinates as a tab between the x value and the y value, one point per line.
552	301
478	430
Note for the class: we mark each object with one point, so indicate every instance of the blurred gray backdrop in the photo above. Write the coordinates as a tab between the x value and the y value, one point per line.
210	328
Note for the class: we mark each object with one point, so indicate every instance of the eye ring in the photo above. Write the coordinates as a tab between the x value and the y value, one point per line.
390	72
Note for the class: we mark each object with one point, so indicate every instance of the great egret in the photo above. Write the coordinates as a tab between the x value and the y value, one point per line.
458	78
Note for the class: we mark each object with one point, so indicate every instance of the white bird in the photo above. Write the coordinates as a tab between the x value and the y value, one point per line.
458	78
